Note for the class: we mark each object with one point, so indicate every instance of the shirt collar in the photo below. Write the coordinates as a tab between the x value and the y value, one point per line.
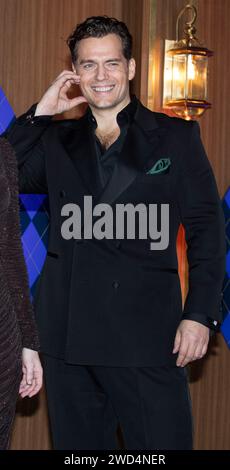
124	117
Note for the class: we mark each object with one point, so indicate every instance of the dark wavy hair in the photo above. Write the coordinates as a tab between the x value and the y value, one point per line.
98	27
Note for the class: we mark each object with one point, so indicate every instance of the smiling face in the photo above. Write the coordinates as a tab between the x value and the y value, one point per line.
104	72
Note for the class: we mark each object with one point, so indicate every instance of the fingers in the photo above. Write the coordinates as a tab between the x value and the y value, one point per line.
177	342
37	383
180	346
32	389
72	102
23	384
31	381
183	353
66	76
191	342
76	101
24	388
29	374
191	350
201	350
64	83
27	382
55	99
66	73
204	349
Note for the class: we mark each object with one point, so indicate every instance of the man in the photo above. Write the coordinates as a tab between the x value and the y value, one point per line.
114	337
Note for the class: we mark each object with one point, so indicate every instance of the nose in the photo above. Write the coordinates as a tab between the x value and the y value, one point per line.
101	72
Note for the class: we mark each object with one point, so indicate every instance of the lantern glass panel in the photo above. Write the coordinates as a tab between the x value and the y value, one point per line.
179	69
196	74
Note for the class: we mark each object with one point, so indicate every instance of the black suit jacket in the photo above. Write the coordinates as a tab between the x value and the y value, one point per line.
111	302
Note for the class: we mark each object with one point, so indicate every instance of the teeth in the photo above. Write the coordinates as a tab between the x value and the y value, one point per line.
104	88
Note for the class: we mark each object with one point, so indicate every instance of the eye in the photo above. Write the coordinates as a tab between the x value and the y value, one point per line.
88	66
112	64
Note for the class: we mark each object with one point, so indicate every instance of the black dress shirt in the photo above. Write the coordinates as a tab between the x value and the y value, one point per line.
107	158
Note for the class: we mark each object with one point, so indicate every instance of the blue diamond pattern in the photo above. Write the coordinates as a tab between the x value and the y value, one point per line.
225	327
226	299
34	216
32	204
228	233
228	263
6	112
227	198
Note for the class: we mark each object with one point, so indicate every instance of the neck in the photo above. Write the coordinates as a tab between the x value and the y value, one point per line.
107	118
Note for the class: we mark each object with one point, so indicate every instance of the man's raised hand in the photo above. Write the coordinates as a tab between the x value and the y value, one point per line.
55	100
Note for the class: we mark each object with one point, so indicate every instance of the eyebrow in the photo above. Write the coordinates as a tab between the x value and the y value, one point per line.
87	61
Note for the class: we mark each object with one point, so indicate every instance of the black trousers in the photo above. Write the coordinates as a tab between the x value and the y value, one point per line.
87	403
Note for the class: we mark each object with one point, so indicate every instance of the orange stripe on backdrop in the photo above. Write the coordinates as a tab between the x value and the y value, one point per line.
182	261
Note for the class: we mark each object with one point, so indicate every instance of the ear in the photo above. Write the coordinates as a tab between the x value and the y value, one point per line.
132	68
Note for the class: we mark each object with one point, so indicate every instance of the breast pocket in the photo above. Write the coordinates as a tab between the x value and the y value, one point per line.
156	178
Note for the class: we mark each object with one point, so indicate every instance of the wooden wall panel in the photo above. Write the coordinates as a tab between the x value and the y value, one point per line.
209	378
213	27
136	15
31	426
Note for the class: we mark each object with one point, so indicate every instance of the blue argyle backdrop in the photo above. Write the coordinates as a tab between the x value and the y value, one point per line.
6	112
225	327
34	213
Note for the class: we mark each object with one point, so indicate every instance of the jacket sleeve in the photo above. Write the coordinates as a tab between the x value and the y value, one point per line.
26	137
15	268
202	217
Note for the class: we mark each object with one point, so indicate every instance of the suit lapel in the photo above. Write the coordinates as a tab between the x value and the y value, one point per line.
141	142
79	145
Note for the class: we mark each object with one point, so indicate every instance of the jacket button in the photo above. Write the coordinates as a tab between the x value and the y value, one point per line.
29	116
115	284
62	193
118	244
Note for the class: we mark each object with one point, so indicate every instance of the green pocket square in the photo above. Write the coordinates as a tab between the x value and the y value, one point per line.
160	166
